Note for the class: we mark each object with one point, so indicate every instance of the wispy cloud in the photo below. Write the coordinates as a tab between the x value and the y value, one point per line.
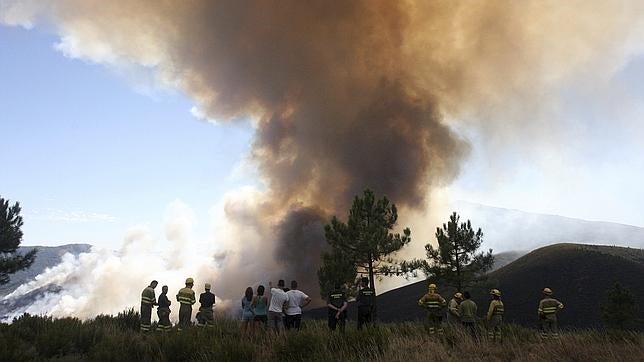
66	216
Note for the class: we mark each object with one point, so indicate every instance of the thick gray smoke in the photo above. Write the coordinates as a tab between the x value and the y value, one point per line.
345	96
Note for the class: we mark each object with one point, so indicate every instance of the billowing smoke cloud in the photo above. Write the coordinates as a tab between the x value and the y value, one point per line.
351	95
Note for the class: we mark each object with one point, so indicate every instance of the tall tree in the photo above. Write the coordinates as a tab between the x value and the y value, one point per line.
10	239
619	307
364	244
456	261
335	269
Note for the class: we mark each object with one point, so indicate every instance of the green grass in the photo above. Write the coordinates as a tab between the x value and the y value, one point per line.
107	338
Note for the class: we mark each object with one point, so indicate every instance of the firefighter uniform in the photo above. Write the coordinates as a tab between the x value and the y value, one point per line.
548	309
186	298
205	317
338	299
148	300
163	311
366	303
452	309
434	304
495	316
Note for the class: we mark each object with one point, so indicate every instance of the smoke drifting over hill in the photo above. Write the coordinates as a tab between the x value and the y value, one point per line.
345	95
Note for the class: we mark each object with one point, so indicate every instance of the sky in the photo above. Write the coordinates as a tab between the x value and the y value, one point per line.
91	152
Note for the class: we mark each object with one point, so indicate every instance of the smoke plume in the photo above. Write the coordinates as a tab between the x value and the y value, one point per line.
348	95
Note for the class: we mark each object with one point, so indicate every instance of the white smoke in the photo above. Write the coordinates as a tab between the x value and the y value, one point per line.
105	281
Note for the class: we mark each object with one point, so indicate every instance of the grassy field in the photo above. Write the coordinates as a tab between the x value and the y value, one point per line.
107	338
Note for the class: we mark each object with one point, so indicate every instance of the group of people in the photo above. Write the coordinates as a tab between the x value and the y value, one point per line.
185	297
283	310
461	309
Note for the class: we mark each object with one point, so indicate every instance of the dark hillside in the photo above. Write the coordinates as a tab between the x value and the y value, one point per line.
578	274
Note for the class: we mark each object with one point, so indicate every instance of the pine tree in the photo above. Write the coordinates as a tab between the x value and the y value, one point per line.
456	261
10	239
363	244
619	307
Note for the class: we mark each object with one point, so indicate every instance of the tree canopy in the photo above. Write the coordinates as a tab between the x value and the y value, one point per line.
456	261
10	238
364	244
619	308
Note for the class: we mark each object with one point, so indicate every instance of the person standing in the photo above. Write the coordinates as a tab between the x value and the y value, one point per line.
186	298
148	301
163	310
495	316
467	311
434	303
548	309
337	304
366	302
247	312
206	301
453	317
259	306
279	302
296	301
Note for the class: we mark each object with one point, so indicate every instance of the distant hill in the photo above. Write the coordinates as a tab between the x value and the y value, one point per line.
578	274
48	256
507	229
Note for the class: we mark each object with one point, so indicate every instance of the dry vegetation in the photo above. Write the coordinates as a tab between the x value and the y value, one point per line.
109	338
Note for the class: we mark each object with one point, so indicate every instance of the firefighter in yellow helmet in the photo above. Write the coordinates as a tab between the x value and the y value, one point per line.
434	304
548	309
148	301
495	316
452	309
186	298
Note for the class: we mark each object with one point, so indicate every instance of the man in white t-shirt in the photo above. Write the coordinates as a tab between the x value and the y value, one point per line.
279	302
296	301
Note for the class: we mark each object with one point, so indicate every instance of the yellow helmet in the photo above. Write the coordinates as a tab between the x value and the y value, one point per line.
432	286
547	291
495	292
190	281
207	286
458	295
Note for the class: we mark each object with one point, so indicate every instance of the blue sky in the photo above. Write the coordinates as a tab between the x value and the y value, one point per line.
88	153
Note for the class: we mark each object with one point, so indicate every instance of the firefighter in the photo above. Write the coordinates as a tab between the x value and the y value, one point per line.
366	302
495	316
337	305
548	309
452	309
186	297
434	304
207	301
163	310
148	301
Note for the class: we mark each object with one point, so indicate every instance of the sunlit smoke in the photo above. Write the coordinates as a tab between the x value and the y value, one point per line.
361	94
